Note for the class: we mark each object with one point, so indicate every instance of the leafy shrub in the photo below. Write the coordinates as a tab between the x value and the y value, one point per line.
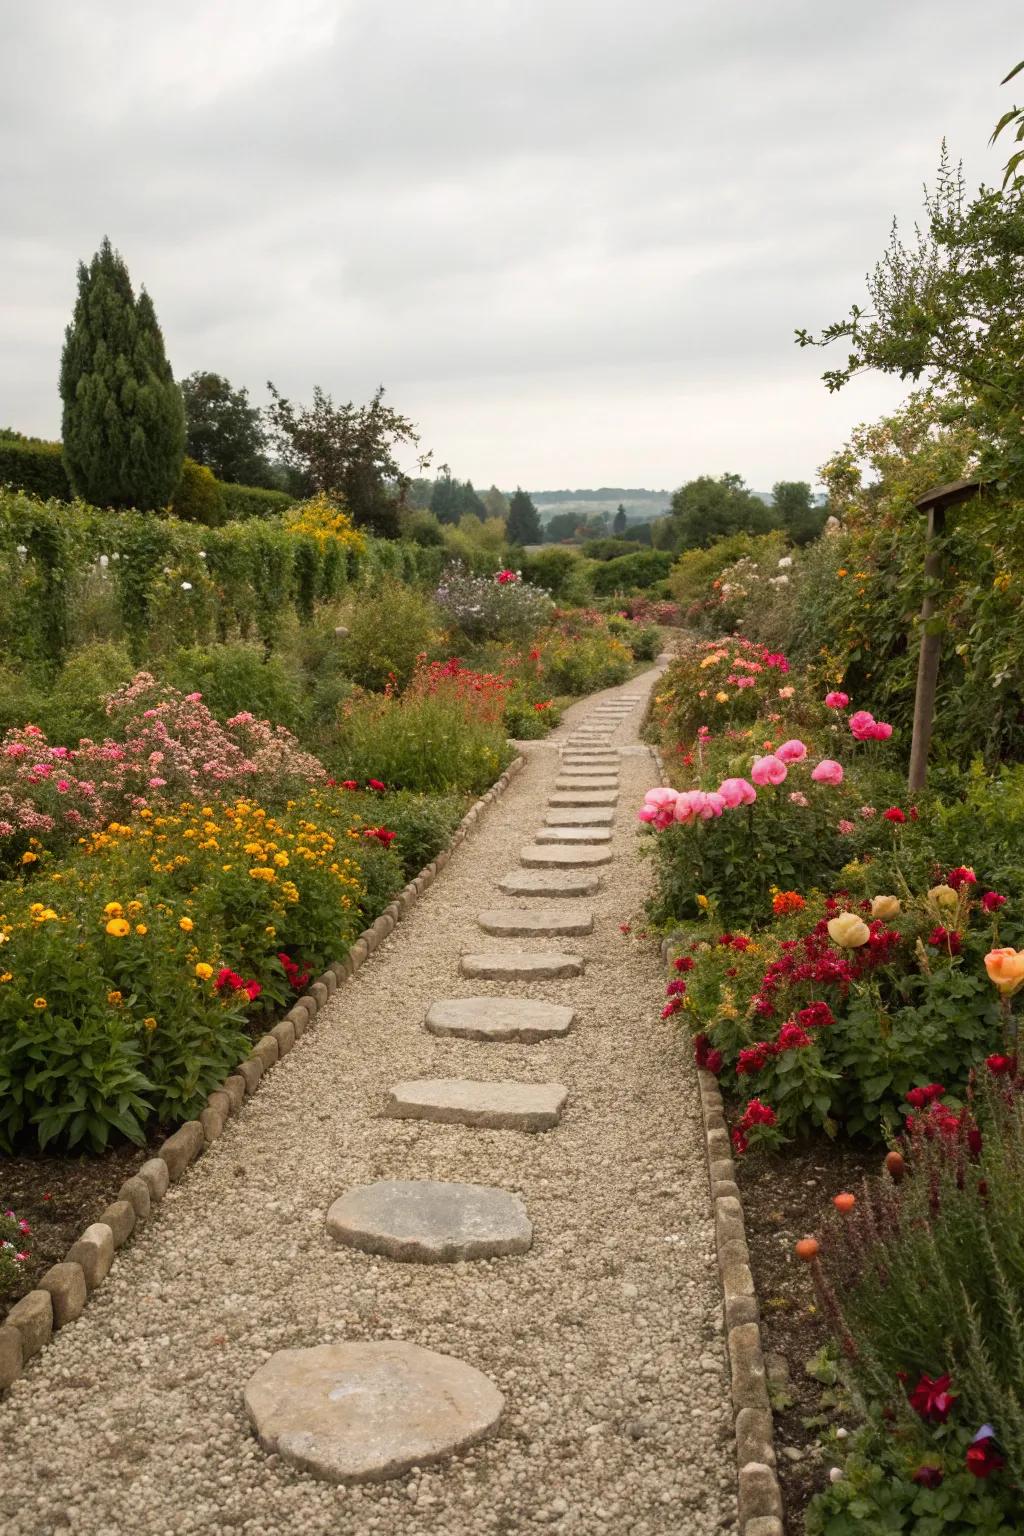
422	824
920	1282
694	575
580	655
551	569
723	684
26	464
628	572
389	630
75	704
237	677
498	607
245	501
197	497
610	549
431	742
423	528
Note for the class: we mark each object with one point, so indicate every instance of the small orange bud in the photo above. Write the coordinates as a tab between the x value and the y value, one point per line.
844	1202
896	1165
806	1249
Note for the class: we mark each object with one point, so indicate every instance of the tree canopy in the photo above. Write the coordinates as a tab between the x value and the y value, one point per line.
523	526
123	420
709	508
793	500
225	432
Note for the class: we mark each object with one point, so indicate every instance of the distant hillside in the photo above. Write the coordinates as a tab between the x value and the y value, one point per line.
641	505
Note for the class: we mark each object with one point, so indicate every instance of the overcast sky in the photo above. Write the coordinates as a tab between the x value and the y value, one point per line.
573	238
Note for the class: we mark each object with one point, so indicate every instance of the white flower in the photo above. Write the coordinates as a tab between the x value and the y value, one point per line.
104	562
785	562
202	554
186	586
835	1474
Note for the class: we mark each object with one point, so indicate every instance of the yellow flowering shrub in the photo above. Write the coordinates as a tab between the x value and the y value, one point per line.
324	520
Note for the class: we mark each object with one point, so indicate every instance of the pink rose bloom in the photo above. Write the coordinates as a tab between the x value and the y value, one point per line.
688	805
791	751
796	798
837	700
658	807
768	770
846	827
828	771
744	682
867	811
16	749
880	731
862	725
62	786
737	792
193	698
713	805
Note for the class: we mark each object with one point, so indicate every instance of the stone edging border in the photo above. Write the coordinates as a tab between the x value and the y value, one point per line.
64	1290
760	1497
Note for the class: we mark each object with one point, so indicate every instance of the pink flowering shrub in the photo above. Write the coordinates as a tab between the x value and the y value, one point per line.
168	748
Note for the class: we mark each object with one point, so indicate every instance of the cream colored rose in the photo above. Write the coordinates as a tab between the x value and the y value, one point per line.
1005	969
885	907
943	896
848	931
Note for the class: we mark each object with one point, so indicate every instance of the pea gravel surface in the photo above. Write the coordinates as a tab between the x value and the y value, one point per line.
606	1338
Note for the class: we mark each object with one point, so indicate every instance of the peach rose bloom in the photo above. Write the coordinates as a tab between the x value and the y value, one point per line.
1005	969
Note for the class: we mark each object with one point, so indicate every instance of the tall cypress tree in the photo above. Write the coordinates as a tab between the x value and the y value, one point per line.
523	525
124	419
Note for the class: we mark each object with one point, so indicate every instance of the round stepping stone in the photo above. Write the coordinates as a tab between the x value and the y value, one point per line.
572	836
498	1106
584	797
424	1221
498	1018
540	857
537	921
355	1413
580	816
554	882
522	964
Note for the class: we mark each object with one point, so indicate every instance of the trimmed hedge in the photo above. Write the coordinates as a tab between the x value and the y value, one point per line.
245	501
35	467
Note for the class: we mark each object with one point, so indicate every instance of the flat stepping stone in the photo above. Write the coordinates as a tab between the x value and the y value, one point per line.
540	856
498	1018
572	781
426	1221
572	836
580	816
497	1106
553	882
356	1413
537	921
584	797
522	964
590	768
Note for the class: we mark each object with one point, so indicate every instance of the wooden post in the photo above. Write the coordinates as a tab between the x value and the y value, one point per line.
935	503
928	660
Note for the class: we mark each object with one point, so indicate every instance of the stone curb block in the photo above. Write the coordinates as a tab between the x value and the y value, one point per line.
760	1498
64	1289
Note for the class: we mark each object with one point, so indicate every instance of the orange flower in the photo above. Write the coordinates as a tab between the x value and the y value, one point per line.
1005	969
787	901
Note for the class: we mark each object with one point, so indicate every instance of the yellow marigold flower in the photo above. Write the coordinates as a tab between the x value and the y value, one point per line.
703	903
281	860
204	971
40	1002
29	858
133	908
36	906
270	931
141	928
149	1023
146	814
115	998
185	924
47	915
7	976
721	698
118	928
113	909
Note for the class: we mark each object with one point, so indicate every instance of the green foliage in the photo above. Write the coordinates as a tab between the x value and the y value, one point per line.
581	657
620	522
610	549
73	705
428	743
235	676
244	501
629	573
422	824
523	526
423	528
794	503
124	421
550	569
453	500
33	466
388	630
711	508
198	497
225	432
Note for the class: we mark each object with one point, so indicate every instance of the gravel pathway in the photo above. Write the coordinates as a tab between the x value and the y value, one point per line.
606	1338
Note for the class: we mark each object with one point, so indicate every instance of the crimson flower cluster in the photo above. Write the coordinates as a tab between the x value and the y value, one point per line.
705	1056
755	1114
814	960
933	1401
382	835
297	974
230	981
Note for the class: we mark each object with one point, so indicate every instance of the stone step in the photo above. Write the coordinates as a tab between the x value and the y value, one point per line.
537	921
600	757
363	1412
584	797
541	857
498	1018
426	1221
522	964
580	816
572	836
494	1106
549	882
594	781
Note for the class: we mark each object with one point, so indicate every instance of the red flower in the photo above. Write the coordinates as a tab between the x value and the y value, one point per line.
992	901
254	989
920	1098
757	1113
940	938
927	1477
671	1007
932	1399
684	963
894	814
1001	1066
701	1049
752	1058
676	989
349	784
504	577
961	876
714	1062
375	784
381	835
791	1037
982	1458
815	1016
